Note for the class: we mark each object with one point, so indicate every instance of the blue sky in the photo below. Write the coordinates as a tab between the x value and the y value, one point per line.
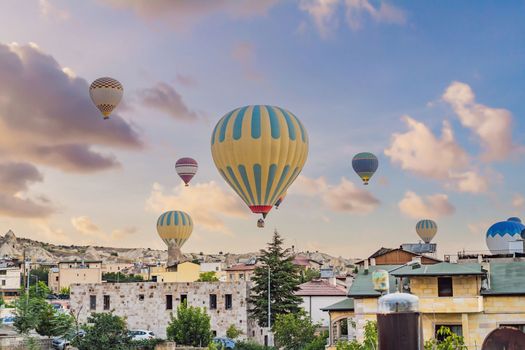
356	72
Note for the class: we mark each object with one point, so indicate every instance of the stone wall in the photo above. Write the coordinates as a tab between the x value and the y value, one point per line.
144	304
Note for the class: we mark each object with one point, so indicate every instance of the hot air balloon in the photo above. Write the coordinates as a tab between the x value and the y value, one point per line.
280	200
174	227
365	165
186	168
501	234
426	229
259	150
106	94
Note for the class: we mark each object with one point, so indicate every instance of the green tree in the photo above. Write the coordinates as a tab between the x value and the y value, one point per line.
26	313
104	331
284	282
233	332
190	327
451	341
41	272
309	274
39	290
209	276
65	291
119	277
2	302
294	331
369	342
50	323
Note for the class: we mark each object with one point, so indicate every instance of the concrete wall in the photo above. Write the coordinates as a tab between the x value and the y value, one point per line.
313	305
143	304
185	272
115	267
10	278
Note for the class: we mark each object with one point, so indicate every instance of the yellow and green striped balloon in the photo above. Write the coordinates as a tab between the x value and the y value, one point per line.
259	150
175	227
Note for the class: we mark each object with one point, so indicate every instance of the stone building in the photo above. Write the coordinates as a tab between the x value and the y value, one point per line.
472	299
148	305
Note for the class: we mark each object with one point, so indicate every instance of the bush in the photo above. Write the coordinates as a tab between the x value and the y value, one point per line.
294	331
319	342
190	327
232	332
369	343
146	344
105	331
450	341
251	345
209	276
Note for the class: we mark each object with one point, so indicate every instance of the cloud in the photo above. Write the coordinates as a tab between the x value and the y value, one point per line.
47	117
186	80
123	233
244	54
48	10
207	203
323	14
434	206
343	197
419	151
386	13
493	126
183	14
518	201
15	178
164	98
84	225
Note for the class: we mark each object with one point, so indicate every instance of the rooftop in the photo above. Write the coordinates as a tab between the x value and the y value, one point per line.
320	287
506	279
439	269
242	267
343	305
363	286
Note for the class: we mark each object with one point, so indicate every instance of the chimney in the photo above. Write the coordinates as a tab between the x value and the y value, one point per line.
372	261
366	266
333	281
417	259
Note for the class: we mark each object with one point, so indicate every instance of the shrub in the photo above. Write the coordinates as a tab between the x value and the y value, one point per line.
251	345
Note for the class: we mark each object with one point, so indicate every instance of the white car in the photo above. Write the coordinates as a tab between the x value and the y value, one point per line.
141	334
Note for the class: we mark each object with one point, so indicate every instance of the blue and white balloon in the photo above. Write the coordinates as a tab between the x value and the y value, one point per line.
501	233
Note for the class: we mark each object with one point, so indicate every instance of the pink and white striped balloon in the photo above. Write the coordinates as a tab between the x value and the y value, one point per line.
186	168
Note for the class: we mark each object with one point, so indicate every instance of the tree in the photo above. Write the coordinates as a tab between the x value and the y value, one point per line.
104	331
119	277
209	276
233	332
41	272
65	291
190	327
50	323
309	274
39	290
294	331
450	341
284	282
26	313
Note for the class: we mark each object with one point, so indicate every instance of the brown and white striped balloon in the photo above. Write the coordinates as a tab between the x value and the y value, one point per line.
106	94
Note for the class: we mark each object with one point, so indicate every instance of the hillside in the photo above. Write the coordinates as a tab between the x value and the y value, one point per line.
14	247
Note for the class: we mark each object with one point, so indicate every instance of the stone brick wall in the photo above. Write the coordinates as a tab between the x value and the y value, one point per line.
143	304
462	286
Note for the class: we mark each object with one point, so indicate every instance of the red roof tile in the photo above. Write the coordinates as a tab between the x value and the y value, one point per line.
320	287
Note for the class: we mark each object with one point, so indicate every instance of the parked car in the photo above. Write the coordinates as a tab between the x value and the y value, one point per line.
63	343
225	343
141	334
7	320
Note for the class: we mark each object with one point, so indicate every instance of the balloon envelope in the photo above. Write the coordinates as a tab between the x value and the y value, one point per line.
106	94
426	229
175	227
259	150
365	165
186	168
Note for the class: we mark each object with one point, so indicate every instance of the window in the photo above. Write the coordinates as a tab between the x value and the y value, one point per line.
3	272
106	302
184	299
213	301
214	333
92	302
56	278
445	286
454	328
228	301
169	302
141	297
241	276
231	276
3	282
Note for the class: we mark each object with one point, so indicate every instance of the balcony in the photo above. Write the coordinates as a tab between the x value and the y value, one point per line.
445	305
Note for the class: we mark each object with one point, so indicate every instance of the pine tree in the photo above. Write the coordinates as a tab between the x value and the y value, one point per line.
284	282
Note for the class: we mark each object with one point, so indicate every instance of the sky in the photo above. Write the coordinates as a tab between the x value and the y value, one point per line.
434	89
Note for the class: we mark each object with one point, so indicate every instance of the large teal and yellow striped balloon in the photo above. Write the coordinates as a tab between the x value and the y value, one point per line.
175	227
259	150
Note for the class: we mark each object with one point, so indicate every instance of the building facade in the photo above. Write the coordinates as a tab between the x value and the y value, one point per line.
72	272
240	272
318	294
116	267
183	272
471	299
217	267
149	305
10	280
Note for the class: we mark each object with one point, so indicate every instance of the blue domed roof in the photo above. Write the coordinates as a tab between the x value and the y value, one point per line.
511	227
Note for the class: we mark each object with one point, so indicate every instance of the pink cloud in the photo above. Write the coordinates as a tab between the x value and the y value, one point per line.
433	206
